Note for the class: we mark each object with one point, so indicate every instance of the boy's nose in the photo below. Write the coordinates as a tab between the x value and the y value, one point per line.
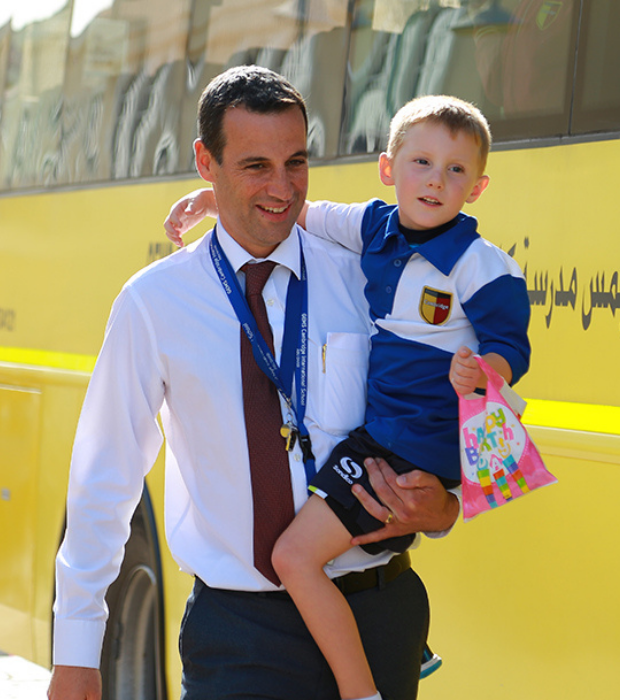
435	180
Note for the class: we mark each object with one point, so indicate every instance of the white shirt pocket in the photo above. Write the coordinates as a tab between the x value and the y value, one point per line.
344	362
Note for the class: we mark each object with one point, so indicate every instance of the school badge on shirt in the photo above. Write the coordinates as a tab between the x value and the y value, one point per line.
435	306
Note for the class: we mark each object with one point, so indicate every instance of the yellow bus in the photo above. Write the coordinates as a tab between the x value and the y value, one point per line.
97	118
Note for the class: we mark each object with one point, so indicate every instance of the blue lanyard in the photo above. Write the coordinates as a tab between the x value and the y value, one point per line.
294	357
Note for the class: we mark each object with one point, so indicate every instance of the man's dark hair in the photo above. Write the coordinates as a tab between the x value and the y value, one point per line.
254	88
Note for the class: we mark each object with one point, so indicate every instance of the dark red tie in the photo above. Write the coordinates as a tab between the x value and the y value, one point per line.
271	479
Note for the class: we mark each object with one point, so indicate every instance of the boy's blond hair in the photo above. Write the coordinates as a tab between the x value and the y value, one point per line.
451	112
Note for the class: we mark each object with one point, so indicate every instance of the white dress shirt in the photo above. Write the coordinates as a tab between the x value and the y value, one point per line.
172	346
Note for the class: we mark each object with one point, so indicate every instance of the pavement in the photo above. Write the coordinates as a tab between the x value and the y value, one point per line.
21	679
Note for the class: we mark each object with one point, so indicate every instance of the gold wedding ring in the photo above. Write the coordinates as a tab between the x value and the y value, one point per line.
390	518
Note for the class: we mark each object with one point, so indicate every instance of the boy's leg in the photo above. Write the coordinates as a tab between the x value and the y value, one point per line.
316	536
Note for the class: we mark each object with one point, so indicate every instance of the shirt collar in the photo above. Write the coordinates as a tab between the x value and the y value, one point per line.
444	250
286	254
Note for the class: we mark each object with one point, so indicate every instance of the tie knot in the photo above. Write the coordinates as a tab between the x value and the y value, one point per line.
256	275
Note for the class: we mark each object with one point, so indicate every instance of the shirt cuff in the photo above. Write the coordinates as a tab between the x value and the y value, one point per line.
458	492
78	643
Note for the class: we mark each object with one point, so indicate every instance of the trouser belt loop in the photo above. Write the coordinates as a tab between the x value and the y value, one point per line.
381	583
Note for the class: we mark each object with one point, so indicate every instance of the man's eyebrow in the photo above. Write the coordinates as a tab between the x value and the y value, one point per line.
301	154
264	159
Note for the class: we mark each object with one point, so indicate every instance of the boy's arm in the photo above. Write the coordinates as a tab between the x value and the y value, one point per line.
497	305
466	375
335	222
188	212
339	223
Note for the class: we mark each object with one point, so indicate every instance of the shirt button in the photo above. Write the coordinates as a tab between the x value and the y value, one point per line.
398	262
270	302
388	290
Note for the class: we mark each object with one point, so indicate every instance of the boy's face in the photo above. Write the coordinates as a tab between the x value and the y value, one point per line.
434	172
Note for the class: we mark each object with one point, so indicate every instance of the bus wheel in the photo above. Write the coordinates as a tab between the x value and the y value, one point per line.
132	663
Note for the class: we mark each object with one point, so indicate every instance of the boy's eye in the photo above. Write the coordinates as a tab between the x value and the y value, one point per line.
421	161
458	169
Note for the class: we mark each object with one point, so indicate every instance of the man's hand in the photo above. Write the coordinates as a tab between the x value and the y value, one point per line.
75	683
417	502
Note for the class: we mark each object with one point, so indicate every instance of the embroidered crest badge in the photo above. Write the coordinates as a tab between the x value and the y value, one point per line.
548	13
435	306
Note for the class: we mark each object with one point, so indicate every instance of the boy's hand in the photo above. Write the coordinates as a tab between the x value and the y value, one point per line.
465	373
186	213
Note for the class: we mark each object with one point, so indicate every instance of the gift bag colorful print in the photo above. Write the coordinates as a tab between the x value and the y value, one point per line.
499	462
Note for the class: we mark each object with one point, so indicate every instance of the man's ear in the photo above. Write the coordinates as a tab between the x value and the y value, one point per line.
204	161
385	170
479	188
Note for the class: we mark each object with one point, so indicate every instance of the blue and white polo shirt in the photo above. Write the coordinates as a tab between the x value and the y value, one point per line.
425	302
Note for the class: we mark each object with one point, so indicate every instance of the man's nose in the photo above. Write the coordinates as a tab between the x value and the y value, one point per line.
281	184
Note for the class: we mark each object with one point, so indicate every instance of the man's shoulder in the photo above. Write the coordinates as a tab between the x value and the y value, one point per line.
177	265
315	246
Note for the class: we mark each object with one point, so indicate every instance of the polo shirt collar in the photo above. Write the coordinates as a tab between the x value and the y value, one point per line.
444	250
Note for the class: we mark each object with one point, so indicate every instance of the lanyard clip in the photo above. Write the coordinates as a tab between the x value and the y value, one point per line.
306	447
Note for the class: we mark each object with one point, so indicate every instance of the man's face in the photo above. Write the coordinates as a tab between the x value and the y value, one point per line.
262	182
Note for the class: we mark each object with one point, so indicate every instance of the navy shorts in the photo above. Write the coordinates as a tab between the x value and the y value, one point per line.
344	468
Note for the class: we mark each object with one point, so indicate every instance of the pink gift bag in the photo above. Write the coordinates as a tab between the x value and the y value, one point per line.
499	462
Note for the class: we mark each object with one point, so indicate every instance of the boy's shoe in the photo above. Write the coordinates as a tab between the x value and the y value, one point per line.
430	662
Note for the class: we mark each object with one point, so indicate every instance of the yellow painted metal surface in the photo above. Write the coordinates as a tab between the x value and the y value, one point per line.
524	599
19	449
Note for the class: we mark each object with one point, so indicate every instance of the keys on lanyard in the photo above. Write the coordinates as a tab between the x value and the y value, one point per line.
289	432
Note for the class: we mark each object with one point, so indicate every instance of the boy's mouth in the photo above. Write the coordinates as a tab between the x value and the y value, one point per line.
430	200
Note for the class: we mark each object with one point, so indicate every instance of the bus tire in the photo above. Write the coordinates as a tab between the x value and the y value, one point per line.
132	660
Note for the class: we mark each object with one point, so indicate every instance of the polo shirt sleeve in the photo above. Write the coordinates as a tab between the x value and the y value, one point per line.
499	312
338	223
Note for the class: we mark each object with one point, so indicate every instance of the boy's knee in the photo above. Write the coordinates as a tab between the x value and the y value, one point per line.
285	556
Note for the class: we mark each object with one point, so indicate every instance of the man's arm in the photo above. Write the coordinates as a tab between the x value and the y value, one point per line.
417	501
116	443
74	683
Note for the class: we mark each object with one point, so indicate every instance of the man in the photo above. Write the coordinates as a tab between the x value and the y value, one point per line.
173	344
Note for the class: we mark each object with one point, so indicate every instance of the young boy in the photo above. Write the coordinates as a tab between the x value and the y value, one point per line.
438	293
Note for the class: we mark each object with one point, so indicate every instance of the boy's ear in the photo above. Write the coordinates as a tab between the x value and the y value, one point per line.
479	188
385	170
204	161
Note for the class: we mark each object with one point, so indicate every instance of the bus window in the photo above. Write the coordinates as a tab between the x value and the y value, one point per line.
513	58
597	90
304	41
126	82
34	45
525	60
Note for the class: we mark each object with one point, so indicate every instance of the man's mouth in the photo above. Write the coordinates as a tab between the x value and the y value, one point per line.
274	210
